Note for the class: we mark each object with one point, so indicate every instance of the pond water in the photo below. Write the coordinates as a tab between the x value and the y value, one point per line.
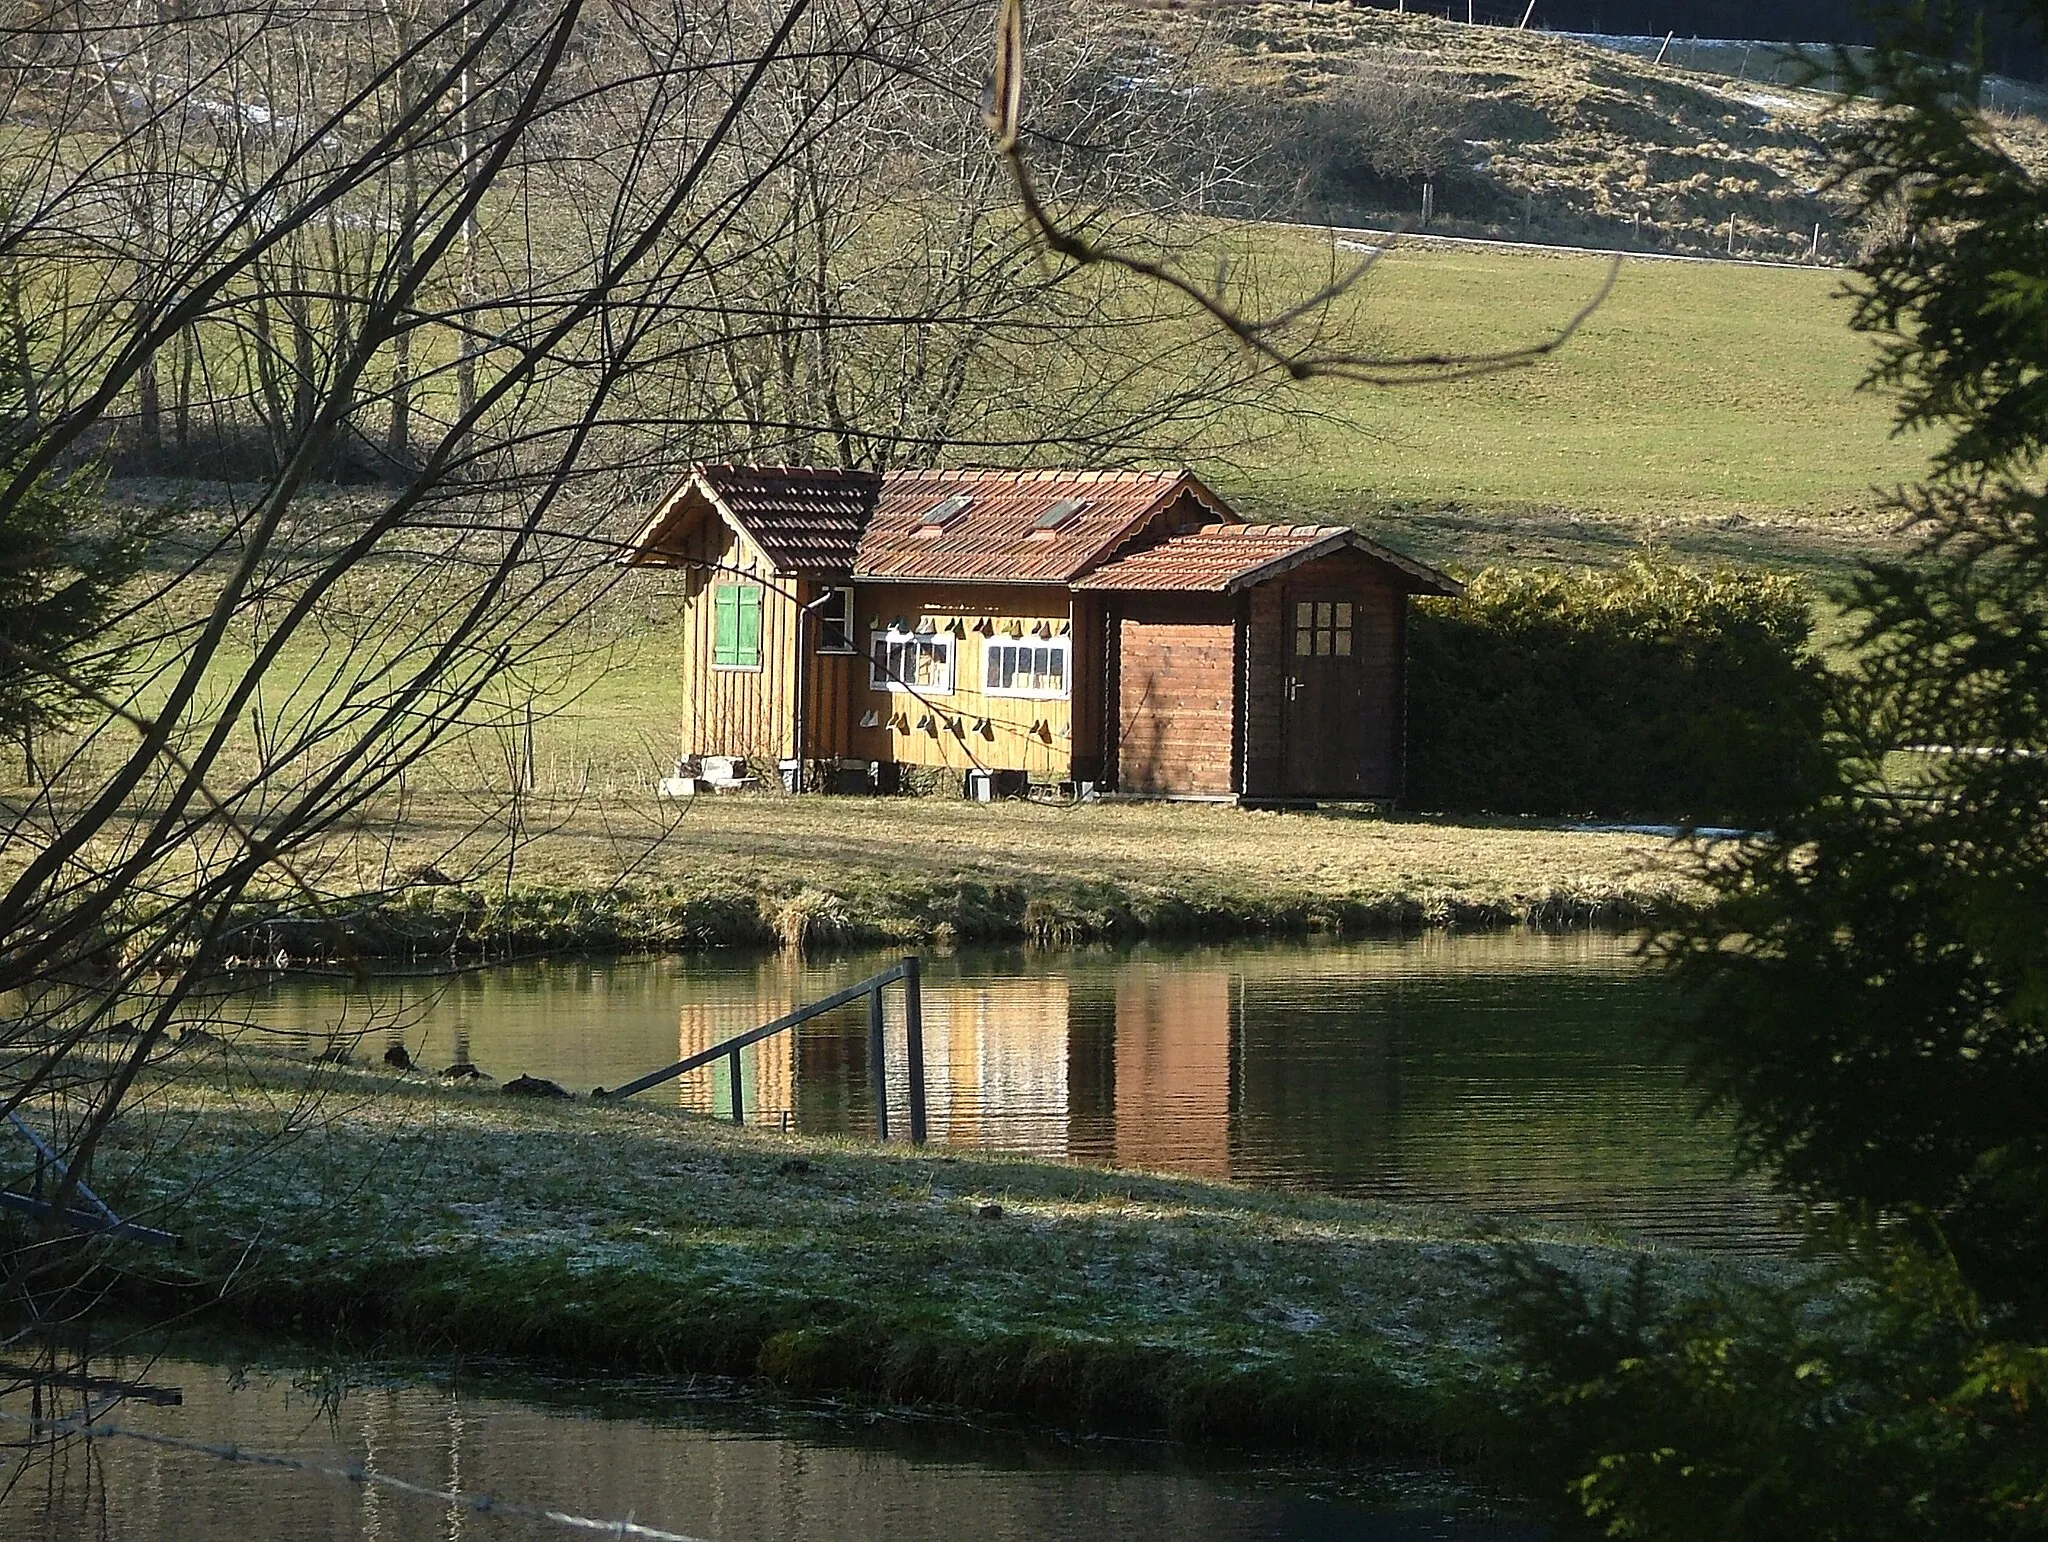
1516	1074
660	1456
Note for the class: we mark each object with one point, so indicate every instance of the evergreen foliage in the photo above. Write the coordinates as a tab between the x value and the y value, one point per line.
1871	1405
63	557
62	565
1875	979
1652	691
1872	981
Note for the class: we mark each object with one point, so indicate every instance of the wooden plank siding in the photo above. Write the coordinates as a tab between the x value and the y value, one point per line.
832	683
752	711
1032	735
1379	642
1176	673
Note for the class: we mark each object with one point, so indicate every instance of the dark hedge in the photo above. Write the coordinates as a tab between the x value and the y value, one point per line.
1650	691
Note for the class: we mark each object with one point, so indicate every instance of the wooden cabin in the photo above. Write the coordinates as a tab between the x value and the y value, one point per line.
1121	631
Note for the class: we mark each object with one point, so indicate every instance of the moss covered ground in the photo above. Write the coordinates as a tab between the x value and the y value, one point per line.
387	1213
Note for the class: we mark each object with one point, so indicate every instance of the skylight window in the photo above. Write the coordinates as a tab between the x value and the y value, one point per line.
947	510
1059	514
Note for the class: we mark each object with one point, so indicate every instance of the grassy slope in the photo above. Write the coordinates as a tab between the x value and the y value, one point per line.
1710	407
471	1222
1696	400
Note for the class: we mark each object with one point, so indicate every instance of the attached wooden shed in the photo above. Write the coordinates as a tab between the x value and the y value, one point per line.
1120	631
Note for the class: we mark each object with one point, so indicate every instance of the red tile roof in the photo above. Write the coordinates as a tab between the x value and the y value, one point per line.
1127	530
807	519
996	539
1223	558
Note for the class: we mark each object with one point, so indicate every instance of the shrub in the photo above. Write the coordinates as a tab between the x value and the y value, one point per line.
1869	1402
1650	690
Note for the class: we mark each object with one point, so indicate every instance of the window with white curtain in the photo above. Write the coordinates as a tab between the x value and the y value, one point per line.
1029	668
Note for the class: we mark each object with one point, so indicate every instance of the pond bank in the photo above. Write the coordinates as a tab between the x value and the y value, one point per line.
623	875
395	1211
472	922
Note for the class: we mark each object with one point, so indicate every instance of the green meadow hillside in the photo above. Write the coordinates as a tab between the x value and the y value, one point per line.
1708	407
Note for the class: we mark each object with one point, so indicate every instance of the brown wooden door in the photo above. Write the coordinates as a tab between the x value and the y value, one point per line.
1324	719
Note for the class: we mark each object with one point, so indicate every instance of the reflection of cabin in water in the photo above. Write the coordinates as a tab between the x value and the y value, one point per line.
1121	630
996	1062
1173	1040
1000	1067
768	1072
1178	1064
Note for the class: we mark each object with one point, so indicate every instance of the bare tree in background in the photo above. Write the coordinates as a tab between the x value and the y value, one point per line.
882	305
523	258
332	201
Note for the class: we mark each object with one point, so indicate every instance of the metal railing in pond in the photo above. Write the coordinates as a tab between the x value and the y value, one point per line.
98	1216
913	1023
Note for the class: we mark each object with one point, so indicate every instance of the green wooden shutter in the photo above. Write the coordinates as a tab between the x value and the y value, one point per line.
725	629
750	628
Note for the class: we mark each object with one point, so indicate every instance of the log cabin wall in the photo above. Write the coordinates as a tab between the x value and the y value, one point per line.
1176	673
968	728
746	710
1378	640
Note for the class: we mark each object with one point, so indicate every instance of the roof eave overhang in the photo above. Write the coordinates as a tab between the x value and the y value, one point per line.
643	550
1273	567
1184	482
646	554
1006	581
1421	577
1204	495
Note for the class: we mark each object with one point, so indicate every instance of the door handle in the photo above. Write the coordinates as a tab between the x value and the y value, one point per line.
1293	688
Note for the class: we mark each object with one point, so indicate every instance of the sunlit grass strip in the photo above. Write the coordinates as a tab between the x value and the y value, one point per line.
408	1216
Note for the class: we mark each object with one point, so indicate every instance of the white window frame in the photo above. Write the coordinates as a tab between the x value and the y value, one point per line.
1064	646
945	642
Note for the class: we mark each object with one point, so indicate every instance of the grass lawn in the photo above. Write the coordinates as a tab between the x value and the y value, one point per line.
1707	407
389	1210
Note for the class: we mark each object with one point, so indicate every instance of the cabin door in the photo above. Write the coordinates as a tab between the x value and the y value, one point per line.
1324	720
